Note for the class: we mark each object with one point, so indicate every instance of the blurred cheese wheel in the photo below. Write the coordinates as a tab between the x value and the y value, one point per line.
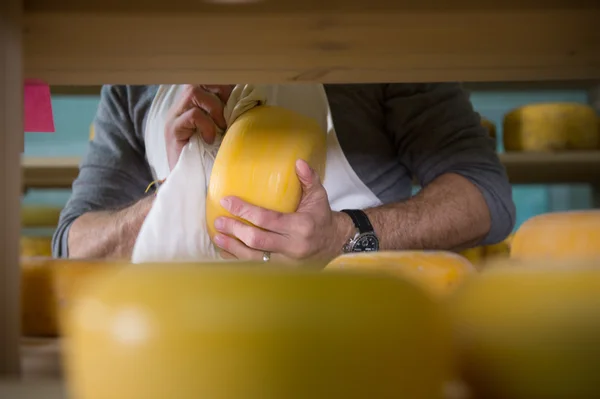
247	332
558	235
499	250
92	132
527	330
474	255
439	272
551	127
47	287
491	128
31	246
39	216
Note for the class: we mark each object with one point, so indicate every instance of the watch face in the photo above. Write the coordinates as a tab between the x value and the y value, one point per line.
366	243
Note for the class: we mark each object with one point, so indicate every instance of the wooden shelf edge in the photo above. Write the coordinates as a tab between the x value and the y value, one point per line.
522	168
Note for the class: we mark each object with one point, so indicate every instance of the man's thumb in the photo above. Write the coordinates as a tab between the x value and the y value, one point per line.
307	176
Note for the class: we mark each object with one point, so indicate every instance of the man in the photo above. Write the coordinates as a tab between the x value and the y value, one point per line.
388	133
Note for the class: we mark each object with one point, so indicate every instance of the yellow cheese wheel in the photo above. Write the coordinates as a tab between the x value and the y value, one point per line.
35	246
551	127
39	216
189	332
499	250
528	330
257	160
439	272
558	235
474	255
92	132
47	289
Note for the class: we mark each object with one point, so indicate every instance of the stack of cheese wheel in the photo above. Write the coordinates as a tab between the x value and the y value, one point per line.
559	235
47	288
213	331
491	128
551	127
530	329
438	272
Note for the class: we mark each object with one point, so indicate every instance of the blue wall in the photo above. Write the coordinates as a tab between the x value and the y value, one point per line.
73	115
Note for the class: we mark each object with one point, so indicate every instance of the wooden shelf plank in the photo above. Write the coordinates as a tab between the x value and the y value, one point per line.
67	43
49	172
553	168
522	168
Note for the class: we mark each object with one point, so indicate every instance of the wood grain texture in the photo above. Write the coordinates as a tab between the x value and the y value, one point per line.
93	42
11	145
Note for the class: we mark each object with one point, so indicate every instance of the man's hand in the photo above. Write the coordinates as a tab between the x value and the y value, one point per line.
313	232
199	109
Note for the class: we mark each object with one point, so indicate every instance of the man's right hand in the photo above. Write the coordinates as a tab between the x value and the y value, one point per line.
199	109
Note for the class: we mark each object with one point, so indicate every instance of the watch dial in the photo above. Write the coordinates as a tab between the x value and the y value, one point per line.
366	243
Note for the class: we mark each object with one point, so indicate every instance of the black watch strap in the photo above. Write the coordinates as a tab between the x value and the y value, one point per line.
360	219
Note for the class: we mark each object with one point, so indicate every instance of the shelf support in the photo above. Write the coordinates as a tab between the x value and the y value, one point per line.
11	146
594	100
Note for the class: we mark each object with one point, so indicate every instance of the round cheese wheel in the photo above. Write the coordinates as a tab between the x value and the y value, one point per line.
31	246
499	250
39	216
47	288
551	127
212	331
558	235
527	330
439	272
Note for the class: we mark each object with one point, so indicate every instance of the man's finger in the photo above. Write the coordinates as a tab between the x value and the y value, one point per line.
192	121
237	248
196	96
264	218
307	176
251	236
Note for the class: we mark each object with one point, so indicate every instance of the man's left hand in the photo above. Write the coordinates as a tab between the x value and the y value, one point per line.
313	232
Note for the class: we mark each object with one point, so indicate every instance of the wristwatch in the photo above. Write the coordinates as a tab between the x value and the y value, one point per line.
365	239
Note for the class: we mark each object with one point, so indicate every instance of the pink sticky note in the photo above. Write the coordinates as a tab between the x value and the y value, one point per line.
38	107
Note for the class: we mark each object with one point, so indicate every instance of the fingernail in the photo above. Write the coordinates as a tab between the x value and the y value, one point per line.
219	223
225	203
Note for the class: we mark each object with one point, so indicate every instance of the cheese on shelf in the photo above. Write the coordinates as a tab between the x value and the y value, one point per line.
491	128
213	331
47	288
530	330
439	272
565	235
39	216
35	246
551	127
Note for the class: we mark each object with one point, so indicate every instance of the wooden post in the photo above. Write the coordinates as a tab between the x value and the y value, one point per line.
11	146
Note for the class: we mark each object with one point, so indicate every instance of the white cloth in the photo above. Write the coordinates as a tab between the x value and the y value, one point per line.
175	228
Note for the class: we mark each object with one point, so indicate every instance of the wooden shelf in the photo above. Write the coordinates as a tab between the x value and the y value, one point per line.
66	41
50	172
522	168
553	168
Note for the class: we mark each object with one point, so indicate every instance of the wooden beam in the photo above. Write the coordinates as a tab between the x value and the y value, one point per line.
70	42
11	145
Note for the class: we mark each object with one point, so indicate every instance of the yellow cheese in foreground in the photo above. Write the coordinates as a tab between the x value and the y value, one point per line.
47	288
439	272
559	235
213	331
257	158
551	127
530	330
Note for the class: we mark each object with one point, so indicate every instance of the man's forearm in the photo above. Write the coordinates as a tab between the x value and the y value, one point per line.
448	214
108	234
